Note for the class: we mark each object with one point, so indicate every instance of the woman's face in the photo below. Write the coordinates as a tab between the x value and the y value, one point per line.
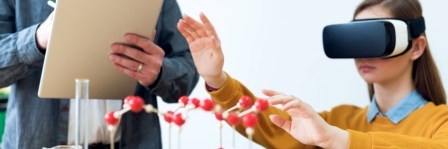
377	70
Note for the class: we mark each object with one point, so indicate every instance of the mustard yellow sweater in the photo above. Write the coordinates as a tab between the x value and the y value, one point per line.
425	128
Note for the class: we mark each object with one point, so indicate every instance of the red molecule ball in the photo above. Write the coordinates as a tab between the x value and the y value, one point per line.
110	118
178	120
245	102
136	103
262	105
233	118
168	116
250	120
183	100
207	105
196	102
126	100
218	116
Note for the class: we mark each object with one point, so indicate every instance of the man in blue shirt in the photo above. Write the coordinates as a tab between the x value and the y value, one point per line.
33	123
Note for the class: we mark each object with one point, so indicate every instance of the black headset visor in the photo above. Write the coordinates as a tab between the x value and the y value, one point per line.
371	38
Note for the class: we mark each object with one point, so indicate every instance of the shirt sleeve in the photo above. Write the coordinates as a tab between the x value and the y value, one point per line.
178	75
19	54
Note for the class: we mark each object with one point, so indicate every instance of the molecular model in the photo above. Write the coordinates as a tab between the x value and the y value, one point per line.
233	116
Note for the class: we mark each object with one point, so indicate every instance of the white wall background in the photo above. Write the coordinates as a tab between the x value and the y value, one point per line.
277	45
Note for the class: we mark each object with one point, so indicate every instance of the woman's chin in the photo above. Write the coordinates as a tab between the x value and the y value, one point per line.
370	79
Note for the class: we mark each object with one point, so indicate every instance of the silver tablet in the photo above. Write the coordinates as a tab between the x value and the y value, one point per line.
80	43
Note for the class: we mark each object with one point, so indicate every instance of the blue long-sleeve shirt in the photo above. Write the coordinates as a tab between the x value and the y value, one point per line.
33	123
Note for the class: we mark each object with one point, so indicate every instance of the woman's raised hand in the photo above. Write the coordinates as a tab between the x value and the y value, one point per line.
205	48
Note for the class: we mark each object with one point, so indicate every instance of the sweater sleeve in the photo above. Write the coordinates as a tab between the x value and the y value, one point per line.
266	134
391	140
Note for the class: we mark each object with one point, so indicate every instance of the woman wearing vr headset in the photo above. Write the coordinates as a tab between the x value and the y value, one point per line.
408	108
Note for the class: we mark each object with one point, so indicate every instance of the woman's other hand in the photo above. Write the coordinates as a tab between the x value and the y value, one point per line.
306	125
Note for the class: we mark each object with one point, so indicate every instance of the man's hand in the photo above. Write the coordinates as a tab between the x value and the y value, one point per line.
142	63
43	32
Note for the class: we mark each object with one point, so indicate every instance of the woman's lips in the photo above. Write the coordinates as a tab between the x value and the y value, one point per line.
366	68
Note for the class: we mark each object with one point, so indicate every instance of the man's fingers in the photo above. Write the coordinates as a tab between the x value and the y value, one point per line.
154	35
281	122
125	62
145	44
129	52
132	73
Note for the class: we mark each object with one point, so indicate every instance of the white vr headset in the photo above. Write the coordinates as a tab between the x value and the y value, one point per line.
371	38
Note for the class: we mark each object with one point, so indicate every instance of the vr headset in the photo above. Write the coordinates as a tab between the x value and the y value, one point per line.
371	38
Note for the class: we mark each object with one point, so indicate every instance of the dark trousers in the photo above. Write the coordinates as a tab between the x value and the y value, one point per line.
104	146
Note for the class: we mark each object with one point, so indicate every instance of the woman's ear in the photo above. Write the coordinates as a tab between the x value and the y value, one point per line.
418	48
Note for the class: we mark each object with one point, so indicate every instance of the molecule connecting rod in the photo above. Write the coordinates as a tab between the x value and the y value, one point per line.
248	116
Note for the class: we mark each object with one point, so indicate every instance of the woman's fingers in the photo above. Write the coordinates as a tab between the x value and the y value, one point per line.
296	104
209	28
280	99
298	108
197	29
281	122
185	32
196	25
291	104
271	93
190	29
